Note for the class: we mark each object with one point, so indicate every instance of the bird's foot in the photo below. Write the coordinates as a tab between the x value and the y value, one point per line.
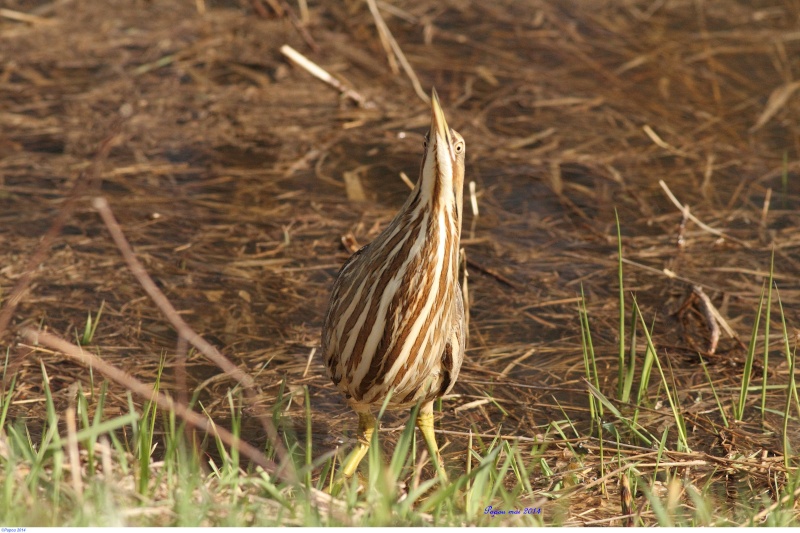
335	488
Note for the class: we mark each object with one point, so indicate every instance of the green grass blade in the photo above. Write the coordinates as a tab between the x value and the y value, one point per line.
5	401
612	408
748	362
764	372
621	371
401	454
647	365
792	385
93	432
679	422
309	436
589	364
713	391
791	390
630	369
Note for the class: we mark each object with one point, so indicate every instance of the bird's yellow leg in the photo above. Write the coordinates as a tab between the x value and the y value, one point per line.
425	425
366	427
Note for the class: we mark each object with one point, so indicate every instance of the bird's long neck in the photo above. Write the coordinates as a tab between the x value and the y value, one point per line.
440	188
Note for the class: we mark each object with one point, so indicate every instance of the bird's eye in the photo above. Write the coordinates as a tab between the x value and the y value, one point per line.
425	141
459	147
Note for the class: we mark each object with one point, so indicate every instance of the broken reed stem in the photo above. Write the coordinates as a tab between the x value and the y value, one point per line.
181	381
104	446
708	310
274	4
696	220
663	144
407	180
300	26
765	207
473	199
72	452
310	358
184	330
146	392
182	387
19	16
384	29
626	500
321	74
711	312
304	16
387	48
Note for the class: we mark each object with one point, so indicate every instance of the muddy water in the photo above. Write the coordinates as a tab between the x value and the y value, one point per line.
229	183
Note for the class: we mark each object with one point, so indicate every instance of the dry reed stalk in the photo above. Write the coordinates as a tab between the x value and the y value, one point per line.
407	180
300	26
321	74
274	4
186	332
423	458
72	452
147	393
384	30
710	313
473	200
690	216
181	381
777	100
710	309
491	273
765	207
310	358
104	446
626	500
19	16
304	16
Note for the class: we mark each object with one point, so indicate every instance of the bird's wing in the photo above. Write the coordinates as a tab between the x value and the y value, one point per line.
453	354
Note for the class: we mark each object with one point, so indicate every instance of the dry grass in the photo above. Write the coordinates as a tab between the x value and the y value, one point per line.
227	174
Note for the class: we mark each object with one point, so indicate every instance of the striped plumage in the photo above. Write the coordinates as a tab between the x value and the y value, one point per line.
396	316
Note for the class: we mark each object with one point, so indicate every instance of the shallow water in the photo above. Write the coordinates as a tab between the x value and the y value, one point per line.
228	181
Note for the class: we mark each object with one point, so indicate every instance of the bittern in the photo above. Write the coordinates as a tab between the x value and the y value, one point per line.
395	325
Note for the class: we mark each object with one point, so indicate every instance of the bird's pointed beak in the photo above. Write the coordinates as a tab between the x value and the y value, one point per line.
439	128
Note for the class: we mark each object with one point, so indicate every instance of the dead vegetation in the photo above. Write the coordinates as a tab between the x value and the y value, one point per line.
234	173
